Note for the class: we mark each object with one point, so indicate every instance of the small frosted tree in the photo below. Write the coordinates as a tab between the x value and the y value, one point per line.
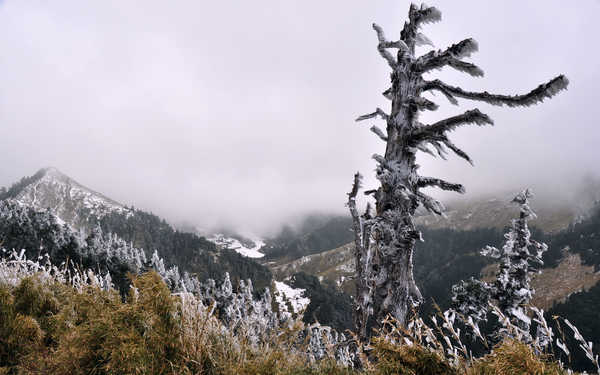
385	240
520	257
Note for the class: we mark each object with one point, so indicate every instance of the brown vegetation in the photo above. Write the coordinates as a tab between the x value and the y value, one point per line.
52	328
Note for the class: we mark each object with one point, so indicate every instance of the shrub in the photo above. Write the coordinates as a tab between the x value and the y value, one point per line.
514	357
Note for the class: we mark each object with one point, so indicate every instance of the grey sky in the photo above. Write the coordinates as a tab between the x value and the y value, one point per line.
242	112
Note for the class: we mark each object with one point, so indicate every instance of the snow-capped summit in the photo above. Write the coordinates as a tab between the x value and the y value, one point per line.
70	201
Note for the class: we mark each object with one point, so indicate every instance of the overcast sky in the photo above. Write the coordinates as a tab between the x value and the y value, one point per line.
242	112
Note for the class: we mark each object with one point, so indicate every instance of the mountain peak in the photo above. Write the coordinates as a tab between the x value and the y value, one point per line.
72	202
51	170
53	173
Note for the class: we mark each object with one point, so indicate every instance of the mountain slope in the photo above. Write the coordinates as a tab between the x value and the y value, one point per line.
70	201
495	212
85	211
449	255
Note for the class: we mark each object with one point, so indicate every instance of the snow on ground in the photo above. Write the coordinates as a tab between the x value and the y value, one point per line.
234	244
285	293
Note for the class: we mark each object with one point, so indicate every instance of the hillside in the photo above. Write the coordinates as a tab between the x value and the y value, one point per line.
495	212
448	255
70	201
84	210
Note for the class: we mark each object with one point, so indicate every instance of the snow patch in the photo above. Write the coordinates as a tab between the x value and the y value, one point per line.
234	244
285	293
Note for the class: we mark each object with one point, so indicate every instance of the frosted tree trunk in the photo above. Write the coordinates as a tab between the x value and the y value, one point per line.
385	242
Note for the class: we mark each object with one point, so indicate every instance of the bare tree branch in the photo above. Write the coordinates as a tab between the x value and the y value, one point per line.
537	95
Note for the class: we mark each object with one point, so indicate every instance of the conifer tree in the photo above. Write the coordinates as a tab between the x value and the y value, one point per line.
520	257
385	240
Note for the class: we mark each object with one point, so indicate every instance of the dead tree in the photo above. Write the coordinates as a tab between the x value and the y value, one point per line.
385	242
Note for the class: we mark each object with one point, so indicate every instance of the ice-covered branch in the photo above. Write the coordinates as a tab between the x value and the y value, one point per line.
430	204
422	40
444	185
450	57
423	14
469	117
417	17
384	44
439	141
354	212
537	95
423	104
362	238
460	153
423	147
379	133
378	112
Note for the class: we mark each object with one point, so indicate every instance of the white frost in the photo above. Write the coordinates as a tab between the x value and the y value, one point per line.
285	293
234	244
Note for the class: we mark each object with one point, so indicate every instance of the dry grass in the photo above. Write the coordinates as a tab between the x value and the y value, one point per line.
53	328
514	357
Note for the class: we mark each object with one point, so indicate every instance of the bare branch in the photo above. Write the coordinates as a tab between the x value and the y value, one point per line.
444	185
378	112
537	95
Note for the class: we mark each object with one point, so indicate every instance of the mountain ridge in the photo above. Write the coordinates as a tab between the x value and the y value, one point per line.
69	200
